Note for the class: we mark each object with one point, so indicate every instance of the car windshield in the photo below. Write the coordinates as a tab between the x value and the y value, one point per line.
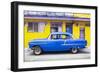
60	36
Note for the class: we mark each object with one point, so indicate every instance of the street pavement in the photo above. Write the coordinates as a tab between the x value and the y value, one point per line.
29	56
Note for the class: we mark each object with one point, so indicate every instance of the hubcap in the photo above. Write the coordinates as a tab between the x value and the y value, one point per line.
74	50
37	50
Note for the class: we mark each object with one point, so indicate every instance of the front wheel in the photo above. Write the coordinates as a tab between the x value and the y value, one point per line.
37	50
74	50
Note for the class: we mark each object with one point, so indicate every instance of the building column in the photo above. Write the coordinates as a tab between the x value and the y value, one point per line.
47	29
87	35
64	26
76	30
25	34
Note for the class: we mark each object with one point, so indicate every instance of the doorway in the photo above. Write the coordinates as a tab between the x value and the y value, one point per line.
69	28
56	27
82	33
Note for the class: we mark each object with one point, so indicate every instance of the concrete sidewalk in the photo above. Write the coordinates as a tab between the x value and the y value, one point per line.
29	56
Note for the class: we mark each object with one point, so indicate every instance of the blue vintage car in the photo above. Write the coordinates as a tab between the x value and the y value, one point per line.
56	42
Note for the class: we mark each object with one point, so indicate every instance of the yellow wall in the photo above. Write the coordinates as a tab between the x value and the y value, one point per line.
76	31
81	15
64	26
87	35
28	36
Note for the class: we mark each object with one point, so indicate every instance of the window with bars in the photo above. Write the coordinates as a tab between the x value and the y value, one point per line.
82	33
36	26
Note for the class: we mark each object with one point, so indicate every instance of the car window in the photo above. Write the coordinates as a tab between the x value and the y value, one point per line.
60	36
65	36
54	36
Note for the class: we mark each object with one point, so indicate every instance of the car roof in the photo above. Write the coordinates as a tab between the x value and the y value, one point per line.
61	33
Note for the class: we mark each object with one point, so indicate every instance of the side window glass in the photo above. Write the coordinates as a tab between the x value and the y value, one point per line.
60	36
66	37
53	36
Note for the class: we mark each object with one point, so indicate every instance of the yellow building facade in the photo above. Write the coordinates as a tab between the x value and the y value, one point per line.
79	28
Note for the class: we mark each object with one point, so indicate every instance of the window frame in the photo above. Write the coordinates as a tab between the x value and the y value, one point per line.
37	23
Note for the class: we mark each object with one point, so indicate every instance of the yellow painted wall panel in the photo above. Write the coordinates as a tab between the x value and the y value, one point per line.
81	15
64	26
28	36
87	35
76	32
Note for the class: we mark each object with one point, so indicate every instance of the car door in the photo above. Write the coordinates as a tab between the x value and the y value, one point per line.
55	43
68	43
58	43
